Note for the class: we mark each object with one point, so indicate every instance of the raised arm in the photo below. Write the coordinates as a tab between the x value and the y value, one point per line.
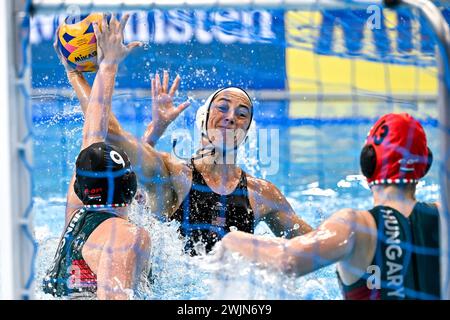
156	169
76	79
97	113
116	134
83	91
331	242
152	164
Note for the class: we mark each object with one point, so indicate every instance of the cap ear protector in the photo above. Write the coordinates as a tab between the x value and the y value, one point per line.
382	159
368	160
396	151
128	185
104	176
429	161
123	194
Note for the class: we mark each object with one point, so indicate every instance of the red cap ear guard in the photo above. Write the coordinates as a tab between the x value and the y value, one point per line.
395	151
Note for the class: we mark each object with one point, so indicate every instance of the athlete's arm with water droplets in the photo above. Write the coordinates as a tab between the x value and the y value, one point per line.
73	203
83	91
331	242
116	134
111	47
272	207
158	171
76	79
97	113
163	110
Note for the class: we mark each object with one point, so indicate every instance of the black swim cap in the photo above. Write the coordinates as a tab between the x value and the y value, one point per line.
104	176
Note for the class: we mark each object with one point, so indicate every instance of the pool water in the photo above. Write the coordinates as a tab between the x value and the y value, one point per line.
317	168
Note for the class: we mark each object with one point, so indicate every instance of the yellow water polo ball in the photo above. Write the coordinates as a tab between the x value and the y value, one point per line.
77	41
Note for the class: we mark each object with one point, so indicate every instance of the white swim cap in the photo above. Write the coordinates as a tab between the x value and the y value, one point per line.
201	118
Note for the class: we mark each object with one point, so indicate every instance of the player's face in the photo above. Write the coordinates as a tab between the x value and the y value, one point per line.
229	118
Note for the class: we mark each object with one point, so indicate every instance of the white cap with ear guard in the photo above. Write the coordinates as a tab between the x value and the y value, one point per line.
201	118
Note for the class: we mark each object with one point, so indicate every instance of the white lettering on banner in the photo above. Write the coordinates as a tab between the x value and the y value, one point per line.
201	34
221	32
180	26
159	36
265	25
139	30
374	21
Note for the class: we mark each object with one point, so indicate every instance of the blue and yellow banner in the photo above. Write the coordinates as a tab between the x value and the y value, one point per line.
209	48
354	53
360	54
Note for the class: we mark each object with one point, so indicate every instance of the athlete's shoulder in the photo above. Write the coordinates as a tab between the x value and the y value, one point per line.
168	158
345	214
360	219
260	185
174	165
261	189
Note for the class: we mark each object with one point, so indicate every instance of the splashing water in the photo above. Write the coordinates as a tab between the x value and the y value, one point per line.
314	196
176	275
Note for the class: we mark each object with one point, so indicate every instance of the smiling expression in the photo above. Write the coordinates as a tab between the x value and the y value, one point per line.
230	115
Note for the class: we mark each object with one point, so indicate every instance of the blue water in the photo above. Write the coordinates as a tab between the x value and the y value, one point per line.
318	171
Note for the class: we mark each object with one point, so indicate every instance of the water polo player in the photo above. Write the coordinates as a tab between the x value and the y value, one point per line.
389	252
101	254
207	194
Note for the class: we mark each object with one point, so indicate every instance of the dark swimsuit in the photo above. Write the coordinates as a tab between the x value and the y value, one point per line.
69	273
206	216
407	257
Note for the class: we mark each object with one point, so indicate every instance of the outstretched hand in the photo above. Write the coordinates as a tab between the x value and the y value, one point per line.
163	110
110	40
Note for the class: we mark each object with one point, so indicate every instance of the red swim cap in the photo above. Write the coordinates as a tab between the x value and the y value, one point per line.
396	151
